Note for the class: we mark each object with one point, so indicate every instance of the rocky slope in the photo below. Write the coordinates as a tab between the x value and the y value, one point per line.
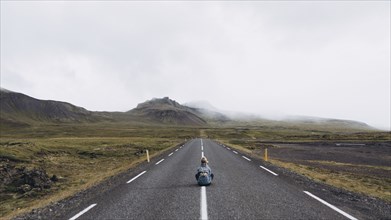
167	111
19	109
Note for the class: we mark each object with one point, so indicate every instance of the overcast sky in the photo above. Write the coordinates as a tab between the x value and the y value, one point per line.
316	58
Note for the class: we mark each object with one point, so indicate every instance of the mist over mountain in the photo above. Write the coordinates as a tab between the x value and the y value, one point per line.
201	104
17	109
167	111
207	111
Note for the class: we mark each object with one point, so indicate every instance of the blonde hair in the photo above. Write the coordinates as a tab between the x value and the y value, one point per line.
204	160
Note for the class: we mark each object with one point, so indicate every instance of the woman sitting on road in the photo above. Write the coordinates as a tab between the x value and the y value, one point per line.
204	174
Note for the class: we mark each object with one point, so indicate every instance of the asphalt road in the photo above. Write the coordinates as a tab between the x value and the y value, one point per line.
167	189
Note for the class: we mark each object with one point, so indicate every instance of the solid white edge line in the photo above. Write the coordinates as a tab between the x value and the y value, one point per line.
204	208
82	212
331	206
159	161
246	158
275	174
136	177
171	154
235	152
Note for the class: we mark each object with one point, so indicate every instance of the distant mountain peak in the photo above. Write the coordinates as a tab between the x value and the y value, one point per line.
159	103
166	110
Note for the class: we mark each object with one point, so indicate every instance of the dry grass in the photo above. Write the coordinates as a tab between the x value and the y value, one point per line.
329	172
85	183
333	163
366	184
83	155
78	162
236	146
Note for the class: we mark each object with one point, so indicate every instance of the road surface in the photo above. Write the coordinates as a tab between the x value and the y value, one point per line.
243	188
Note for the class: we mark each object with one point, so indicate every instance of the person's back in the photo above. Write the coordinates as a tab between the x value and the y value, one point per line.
204	174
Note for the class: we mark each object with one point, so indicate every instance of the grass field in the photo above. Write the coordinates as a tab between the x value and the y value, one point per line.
79	156
362	168
82	155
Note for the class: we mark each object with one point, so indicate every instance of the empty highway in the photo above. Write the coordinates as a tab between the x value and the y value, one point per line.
243	188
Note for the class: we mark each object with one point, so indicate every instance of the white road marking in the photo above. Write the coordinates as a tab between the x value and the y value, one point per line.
202	154
204	207
176	149
275	174
171	154
202	147
82	212
246	158
136	177
331	206
228	148
159	161
346	144
235	152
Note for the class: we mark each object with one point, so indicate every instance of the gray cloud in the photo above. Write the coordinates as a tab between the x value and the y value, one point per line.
328	59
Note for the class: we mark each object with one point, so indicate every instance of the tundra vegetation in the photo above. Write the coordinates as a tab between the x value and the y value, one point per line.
355	161
46	163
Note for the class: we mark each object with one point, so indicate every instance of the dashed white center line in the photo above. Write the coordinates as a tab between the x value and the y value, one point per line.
275	174
235	152
171	154
136	177
202	147
228	148
246	158
159	161
176	149
331	206
202	154
204	207
82	212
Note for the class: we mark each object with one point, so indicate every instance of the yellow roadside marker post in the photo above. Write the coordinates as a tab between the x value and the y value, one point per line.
265	154
147	156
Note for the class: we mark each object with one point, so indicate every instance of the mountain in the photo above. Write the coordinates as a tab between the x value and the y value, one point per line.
19	109
167	111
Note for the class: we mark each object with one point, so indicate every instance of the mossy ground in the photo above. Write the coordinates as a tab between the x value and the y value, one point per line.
82	155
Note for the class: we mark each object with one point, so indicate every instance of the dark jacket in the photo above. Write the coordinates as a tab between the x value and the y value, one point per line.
204	175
